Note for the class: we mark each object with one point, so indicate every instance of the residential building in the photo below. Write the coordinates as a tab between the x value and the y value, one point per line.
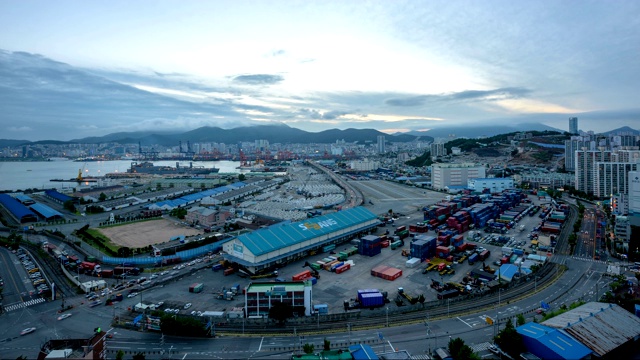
381	143
585	167
574	144
364	165
622	230
573	125
619	204
437	150
634	193
445	175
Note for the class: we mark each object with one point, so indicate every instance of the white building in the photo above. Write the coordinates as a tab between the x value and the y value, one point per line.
620	204
622	230
444	175
438	149
634	193
495	185
364	165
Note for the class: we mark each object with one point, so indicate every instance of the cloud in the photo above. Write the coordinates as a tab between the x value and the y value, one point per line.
464	96
326	115
258	79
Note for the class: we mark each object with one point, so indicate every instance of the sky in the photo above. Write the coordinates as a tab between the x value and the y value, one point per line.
315	65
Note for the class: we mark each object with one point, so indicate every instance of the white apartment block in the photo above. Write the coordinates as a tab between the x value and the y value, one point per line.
495	185
612	178
574	144
364	165
585	166
438	149
619	204
622	229
634	193
443	175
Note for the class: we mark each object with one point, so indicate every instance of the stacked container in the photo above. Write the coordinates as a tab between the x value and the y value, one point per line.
386	272
370	245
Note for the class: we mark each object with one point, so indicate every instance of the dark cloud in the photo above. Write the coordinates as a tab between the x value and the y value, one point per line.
467	95
258	79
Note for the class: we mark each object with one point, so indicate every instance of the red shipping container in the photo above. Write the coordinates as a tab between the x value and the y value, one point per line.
384	243
343	268
302	276
228	271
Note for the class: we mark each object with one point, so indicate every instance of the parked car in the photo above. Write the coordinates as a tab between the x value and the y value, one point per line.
27	331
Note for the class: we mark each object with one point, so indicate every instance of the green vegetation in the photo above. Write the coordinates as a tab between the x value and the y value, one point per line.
469	144
510	341
420	161
461	351
12	241
563	309
182	326
180	213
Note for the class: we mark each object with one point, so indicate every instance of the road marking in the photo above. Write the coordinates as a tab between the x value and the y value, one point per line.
261	340
464	322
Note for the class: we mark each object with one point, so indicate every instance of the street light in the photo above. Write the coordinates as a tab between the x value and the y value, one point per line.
387	316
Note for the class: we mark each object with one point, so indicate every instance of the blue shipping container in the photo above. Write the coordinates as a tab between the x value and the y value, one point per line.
371	299
321	309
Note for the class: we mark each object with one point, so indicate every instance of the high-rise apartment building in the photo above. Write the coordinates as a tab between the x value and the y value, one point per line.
586	165
573	125
381	141
443	175
574	144
438	149
634	193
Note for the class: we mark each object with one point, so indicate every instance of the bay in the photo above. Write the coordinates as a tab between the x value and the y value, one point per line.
37	174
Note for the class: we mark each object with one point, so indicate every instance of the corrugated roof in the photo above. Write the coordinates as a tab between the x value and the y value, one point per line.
266	240
58	196
18	210
560	344
45	211
601	327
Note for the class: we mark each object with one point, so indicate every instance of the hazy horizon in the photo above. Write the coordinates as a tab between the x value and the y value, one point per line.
74	69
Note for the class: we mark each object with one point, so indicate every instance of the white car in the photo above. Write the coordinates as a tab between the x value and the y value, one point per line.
27	331
132	295
63	316
187	305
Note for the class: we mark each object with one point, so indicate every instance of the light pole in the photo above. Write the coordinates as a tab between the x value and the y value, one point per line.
448	307
387	316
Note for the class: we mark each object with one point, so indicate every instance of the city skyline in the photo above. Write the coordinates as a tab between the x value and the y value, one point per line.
389	66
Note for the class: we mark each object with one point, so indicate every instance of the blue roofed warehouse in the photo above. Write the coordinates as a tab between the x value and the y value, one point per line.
283	243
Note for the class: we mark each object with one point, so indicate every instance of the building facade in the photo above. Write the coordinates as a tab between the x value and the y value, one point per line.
437	149
634	193
573	125
495	185
381	144
260	297
444	175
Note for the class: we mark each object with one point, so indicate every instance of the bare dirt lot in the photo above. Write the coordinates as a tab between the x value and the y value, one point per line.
146	233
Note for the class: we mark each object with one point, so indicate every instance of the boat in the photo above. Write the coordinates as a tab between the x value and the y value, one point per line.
147	167
78	179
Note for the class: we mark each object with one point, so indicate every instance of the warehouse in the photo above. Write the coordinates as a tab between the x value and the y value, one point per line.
595	329
282	243
21	213
46	212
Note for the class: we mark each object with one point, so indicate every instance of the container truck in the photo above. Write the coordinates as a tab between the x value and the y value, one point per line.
473	258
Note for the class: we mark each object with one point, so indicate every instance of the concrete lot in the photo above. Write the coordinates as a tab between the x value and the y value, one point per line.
332	289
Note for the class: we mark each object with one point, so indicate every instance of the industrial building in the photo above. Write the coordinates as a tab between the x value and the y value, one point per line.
19	212
446	175
46	212
593	330
282	243
495	185
260	297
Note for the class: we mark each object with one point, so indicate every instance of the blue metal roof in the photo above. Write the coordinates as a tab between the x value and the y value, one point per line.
58	196
362	352
19	211
549	343
266	240
45	211
238	184
24	198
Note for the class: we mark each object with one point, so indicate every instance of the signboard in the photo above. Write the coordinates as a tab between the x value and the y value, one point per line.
238	250
317	225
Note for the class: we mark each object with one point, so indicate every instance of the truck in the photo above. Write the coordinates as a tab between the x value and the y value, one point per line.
484	255
473	258
196	288
412	299
106	273
267	275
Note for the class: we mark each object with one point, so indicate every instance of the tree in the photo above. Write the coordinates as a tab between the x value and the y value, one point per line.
139	356
102	196
308	348
521	320
460	351
120	355
68	205
327	345
242	177
509	340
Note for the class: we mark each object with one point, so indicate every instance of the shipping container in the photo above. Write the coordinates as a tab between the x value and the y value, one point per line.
301	276
328	248
196	288
484	255
106	273
473	259
228	271
371	300
343	268
322	309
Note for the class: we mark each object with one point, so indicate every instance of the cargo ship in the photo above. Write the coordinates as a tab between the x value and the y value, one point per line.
147	167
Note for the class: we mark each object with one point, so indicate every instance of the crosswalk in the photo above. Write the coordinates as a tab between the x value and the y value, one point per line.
21	305
588	259
480	347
